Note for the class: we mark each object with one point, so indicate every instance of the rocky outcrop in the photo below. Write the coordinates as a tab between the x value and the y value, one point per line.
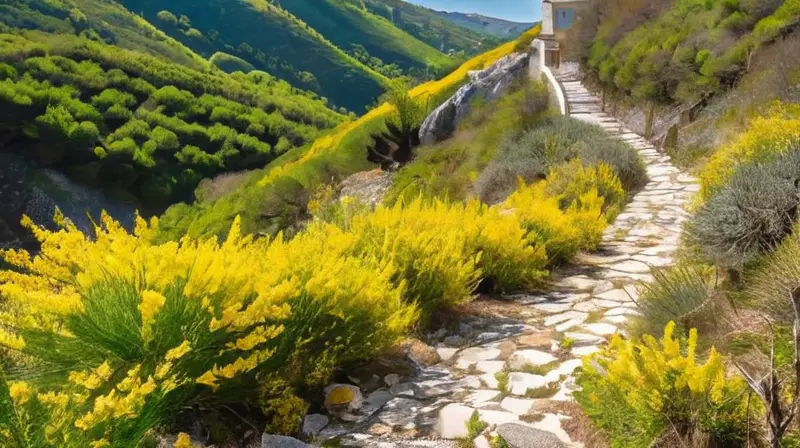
37	193
488	84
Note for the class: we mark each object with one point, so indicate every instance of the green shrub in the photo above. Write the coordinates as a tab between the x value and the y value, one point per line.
683	294
751	214
769	284
230	63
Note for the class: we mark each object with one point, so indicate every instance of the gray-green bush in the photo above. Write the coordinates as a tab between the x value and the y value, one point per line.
752	214
555	141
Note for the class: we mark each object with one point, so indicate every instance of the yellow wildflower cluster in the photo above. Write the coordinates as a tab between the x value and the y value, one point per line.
634	388
766	137
563	227
193	312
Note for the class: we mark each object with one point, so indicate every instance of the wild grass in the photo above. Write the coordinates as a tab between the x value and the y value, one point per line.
683	294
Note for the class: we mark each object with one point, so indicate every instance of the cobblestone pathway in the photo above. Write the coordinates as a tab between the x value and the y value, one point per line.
515	368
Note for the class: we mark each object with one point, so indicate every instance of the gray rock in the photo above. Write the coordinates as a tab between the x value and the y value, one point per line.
452	422
489	83
313	424
521	436
454	341
375	402
273	441
391	379
400	412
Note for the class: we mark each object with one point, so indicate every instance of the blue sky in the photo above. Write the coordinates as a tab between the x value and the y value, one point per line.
516	10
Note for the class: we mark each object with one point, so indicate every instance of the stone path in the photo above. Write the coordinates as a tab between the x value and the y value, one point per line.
515	367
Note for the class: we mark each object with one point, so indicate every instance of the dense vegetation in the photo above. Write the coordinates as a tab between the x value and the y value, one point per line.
140	125
729	297
690	51
274	198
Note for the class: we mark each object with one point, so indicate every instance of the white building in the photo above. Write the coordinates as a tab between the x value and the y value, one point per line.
558	16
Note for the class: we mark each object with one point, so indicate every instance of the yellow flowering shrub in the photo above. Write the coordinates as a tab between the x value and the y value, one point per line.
562	230
442	249
765	139
571	180
124	324
637	389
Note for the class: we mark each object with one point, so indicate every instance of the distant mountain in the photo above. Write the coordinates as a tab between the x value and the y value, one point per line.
487	25
428	26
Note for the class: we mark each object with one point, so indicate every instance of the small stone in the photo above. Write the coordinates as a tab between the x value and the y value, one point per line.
400	412
313	424
471	382
343	397
616	320
375	401
379	429
476	354
454	341
273	441
490	380
464	328
584	339
497	417
552	308
519	382
438	334
601	329
402	389
519	406
522	436
490	366
391	379
585	351
602	287
452	422
632	267
422	354
480	397
568	367
555	319
532	357
615	295
577	282
481	442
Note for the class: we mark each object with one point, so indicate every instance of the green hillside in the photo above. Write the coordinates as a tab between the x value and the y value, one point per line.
428	26
137	125
98	20
269	38
348	23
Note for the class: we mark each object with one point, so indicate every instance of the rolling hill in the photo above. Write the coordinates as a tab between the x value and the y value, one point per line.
428	26
491	26
93	91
